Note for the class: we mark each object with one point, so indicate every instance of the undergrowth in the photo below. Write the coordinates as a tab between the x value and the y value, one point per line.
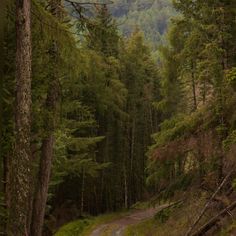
174	221
84	227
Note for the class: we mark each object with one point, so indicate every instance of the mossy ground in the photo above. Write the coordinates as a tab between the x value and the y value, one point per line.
174	221
85	226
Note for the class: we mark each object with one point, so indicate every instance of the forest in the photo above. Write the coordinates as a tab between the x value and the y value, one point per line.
117	117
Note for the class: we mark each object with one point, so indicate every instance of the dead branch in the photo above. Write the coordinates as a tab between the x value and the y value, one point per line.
214	220
208	203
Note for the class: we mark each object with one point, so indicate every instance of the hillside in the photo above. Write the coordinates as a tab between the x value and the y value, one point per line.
150	16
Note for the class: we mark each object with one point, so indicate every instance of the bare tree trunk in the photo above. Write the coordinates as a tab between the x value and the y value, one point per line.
41	195
82	193
193	88
2	8
126	188
42	187
45	167
204	92
20	164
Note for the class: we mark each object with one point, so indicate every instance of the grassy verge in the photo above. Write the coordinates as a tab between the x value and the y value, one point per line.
172	221
145	228
229	230
84	227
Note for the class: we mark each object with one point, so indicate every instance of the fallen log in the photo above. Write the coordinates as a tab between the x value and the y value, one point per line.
208	203
214	220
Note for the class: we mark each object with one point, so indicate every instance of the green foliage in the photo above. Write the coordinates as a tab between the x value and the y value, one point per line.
230	140
197	94
151	17
177	127
103	36
113	97
231	77
74	228
85	226
162	216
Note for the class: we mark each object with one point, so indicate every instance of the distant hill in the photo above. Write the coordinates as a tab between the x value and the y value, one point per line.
150	16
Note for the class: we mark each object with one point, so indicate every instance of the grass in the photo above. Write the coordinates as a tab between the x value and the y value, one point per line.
84	227
75	228
229	230
145	228
171	222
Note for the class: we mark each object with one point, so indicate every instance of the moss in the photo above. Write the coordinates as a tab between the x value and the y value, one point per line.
84	227
74	228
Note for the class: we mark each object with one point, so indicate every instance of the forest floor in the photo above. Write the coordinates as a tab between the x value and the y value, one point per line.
117	227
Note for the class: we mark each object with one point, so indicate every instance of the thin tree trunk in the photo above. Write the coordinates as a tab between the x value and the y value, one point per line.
82	194
204	92
20	164
6	180
1	73
2	8
126	188
193	88
132	147
132	180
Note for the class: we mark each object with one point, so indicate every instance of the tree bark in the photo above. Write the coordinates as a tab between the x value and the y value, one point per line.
125	189
193	88
82	193
1	72
45	167
2	8
20	164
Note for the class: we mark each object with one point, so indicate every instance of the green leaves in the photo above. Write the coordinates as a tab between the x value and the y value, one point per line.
231	75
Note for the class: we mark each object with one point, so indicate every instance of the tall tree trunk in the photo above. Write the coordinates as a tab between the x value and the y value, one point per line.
204	92
193	87
82	193
2	7
20	163
2	169
125	189
45	167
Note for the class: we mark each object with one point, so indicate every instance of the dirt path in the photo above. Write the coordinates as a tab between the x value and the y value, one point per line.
117	227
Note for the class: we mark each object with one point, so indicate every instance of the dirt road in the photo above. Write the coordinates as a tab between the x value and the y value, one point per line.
116	228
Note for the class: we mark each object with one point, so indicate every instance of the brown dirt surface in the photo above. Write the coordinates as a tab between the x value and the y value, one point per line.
117	227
